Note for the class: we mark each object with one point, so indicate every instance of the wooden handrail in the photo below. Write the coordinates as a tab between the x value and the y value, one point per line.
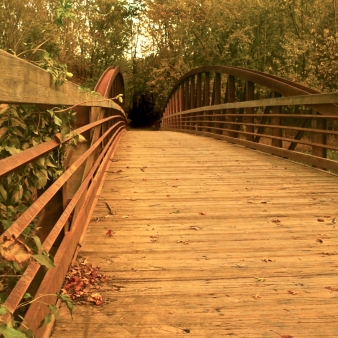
102	121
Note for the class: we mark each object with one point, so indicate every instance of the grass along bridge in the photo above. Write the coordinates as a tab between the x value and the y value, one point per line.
228	235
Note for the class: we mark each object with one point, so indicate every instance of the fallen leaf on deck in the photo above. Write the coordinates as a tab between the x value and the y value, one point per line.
203	213
330	253
287	336
331	288
320	220
319	240
176	212
256	296
195	228
259	279
268	260
125	216
110	233
183	242
292	292
276	221
96	298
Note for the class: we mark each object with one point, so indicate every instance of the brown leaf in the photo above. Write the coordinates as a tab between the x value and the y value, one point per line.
110	233
287	336
276	221
320	220
319	240
13	250
292	292
96	298
331	288
202	213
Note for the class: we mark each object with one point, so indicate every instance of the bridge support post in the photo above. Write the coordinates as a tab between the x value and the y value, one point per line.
320	138
198	100
206	102
217	100
231	98
249	96
276	121
192	103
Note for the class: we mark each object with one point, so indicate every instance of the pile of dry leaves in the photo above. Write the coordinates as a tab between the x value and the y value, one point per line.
83	282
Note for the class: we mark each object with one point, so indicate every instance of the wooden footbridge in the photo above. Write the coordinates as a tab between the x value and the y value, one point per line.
222	223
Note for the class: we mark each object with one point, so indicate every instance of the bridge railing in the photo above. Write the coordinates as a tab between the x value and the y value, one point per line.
256	110
63	208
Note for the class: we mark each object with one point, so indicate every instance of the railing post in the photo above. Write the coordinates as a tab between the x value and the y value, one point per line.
187	102
198	102
182	98
217	100
192	102
249	96
206	101
321	138
171	123
277	121
172	109
231	98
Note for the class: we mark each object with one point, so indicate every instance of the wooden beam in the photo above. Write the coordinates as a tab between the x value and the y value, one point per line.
33	86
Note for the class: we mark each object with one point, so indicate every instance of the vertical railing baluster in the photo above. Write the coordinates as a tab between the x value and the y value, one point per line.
198	102
217	100
320	138
182	98
249	120
206	101
173	110
277	121
187	101
192	102
231	98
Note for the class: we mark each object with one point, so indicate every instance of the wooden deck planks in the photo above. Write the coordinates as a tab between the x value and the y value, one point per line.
230	272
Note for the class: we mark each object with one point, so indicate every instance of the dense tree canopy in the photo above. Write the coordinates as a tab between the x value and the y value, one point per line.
157	41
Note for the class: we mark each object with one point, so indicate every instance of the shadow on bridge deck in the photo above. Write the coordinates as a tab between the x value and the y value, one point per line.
211	240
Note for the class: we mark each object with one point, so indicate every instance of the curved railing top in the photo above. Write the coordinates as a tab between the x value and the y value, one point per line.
111	84
274	83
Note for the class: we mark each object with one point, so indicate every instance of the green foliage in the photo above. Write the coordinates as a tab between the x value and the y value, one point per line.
64	12
23	127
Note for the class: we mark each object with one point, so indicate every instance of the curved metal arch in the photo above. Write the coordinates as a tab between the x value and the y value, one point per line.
111	84
277	84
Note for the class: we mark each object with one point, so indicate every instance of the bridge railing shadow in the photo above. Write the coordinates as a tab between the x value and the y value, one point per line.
256	110
64	207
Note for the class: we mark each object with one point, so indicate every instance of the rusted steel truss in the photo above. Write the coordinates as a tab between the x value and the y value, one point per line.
256	110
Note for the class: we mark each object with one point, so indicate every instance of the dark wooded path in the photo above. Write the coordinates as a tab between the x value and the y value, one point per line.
258	262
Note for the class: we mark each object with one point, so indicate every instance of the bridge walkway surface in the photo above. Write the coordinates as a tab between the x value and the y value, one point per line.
210	239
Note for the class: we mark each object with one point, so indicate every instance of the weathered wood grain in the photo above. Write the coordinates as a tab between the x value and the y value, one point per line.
257	264
22	82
